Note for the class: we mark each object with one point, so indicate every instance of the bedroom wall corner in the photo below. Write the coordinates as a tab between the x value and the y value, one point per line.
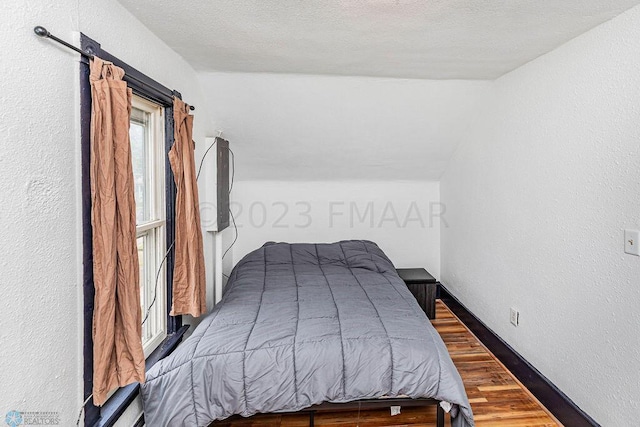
340	144
537	198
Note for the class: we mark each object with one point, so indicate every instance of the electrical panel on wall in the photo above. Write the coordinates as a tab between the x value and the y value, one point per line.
222	183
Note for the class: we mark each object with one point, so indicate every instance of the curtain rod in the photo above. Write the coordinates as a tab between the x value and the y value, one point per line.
44	33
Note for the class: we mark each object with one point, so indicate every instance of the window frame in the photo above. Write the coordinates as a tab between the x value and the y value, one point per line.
151	90
152	229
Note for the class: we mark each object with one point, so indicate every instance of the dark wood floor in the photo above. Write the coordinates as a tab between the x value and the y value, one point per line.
496	397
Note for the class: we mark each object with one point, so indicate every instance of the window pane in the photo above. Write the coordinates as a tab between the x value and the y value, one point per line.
142	259
139	135
147	157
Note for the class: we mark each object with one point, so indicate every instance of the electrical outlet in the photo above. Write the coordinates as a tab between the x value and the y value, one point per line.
514	317
632	242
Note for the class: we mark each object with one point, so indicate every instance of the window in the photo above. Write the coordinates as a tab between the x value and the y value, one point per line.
151	134
147	156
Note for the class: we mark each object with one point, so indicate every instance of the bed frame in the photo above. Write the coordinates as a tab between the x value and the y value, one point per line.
376	404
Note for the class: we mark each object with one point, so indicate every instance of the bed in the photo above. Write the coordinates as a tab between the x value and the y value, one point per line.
300	327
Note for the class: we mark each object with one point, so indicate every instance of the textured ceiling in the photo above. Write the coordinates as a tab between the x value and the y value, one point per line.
436	39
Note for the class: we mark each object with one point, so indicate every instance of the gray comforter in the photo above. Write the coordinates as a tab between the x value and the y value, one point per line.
302	324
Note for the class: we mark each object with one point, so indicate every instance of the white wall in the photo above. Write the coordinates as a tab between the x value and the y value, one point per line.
41	310
330	139
403	217
537	198
40	314
289	127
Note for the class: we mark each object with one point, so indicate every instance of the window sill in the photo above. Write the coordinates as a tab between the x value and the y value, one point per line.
121	399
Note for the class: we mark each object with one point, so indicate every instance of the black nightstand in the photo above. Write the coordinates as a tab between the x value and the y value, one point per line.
423	286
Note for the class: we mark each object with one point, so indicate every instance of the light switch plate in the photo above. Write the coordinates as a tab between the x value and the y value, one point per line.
632	242
514	316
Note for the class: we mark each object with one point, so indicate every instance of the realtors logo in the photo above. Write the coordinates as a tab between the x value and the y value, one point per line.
13	419
17	418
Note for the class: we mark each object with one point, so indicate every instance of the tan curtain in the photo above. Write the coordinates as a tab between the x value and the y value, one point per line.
118	358
188	273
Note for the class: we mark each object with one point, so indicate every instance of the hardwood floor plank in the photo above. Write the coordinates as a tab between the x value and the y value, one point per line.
499	387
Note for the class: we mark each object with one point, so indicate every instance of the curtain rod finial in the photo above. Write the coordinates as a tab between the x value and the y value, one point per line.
41	31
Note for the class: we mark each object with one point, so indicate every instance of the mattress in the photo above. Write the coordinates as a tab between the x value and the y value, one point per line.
302	324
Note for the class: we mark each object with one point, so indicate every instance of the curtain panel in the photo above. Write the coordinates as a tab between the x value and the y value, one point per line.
188	274
118	357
